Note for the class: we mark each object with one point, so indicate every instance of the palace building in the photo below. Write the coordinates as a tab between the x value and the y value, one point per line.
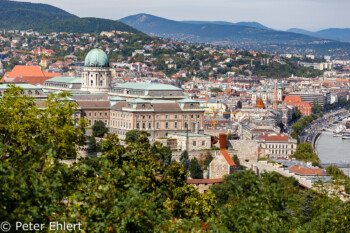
160	109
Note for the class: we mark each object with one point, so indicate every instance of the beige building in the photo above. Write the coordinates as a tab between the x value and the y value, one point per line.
274	145
204	184
221	165
195	141
158	117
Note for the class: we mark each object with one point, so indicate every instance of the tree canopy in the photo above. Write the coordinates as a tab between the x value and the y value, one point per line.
99	129
135	188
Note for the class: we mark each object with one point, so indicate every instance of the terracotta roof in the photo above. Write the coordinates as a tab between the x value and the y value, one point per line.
228	158
306	171
274	137
260	104
292	99
204	181
28	74
20	70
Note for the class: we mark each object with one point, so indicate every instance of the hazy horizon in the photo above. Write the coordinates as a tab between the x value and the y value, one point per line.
310	15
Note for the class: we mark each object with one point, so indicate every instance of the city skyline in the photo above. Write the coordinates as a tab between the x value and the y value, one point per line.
305	14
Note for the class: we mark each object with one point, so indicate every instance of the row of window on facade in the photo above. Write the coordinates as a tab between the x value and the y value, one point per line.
167	125
28	92
281	152
90	122
166	116
195	143
92	83
95	114
56	85
121	115
273	146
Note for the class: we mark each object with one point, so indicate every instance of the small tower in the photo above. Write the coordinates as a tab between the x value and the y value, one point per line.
280	93
264	95
275	99
2	71
43	62
254	96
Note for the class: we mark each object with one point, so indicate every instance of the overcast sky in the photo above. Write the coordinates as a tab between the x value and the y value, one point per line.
277	14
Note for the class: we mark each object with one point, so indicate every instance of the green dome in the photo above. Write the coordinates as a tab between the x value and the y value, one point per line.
96	58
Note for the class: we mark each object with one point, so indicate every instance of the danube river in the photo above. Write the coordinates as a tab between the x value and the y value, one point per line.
334	150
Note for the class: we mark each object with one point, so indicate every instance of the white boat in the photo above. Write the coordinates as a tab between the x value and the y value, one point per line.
337	135
346	134
339	129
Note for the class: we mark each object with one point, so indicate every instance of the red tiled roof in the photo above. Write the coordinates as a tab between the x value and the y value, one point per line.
204	181
28	74
260	104
306	171
274	137
292	99
20	70
228	158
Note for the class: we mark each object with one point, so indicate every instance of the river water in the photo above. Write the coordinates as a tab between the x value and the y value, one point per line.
334	150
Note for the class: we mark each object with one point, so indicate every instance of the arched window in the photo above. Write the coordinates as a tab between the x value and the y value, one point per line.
29	92
101	82
143	106
91	82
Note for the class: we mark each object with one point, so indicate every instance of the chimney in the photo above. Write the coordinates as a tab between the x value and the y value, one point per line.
223	141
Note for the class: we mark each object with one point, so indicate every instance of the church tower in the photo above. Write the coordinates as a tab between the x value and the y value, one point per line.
2	71
280	93
275	100
264	96
254	96
96	74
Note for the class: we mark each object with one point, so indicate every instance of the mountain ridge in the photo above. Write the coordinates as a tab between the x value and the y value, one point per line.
210	32
248	24
46	18
339	34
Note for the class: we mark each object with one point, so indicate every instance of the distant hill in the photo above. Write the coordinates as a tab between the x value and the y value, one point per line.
248	24
210	32
47	18
339	34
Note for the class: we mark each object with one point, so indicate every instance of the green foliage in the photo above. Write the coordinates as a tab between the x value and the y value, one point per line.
296	115
295	136
99	129
132	135
273	203
208	160
185	160
303	122
160	153
195	169
27	132
216	90
305	152
46	18
124	190
94	147
236	160
278	70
